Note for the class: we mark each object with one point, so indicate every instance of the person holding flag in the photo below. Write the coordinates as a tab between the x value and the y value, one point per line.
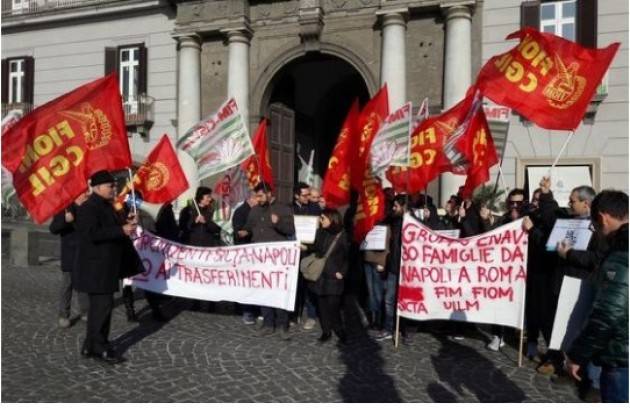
105	254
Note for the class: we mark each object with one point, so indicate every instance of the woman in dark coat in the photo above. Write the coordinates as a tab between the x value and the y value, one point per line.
196	224
329	286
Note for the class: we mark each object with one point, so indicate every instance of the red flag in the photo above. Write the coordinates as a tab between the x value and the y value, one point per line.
336	186
429	157
53	150
478	148
370	209
368	123
161	178
258	167
547	79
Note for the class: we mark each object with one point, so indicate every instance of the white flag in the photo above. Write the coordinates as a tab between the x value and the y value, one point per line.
391	144
218	142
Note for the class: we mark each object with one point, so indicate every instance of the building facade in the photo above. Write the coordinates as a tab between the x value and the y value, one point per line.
300	63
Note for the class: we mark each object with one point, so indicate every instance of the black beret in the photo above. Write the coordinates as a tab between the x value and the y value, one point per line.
101	177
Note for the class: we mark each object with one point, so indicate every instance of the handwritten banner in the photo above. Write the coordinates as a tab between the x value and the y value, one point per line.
478	279
263	274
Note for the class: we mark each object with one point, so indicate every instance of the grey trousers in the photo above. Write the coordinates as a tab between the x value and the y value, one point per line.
65	297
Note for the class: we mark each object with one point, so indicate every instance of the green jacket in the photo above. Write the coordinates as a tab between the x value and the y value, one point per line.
604	338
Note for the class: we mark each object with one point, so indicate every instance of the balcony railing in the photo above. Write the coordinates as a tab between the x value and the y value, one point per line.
24	108
14	8
139	113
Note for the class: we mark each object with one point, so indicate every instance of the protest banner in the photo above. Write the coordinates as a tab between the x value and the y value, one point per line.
576	232
305	228
263	274
478	279
574	305
375	239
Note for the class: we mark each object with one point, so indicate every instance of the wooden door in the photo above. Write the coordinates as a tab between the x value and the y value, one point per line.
282	150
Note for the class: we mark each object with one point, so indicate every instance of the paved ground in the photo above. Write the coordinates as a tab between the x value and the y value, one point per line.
203	357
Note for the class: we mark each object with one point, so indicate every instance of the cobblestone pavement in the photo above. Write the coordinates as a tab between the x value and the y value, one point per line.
213	357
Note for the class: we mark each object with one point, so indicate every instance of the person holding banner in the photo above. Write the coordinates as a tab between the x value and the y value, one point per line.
329	286
604	338
269	221
105	254
198	229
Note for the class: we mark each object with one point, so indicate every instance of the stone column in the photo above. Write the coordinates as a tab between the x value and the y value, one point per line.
393	56
238	69
188	104
457	74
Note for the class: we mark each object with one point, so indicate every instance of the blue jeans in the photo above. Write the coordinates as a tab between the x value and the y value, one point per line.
594	374
391	285
614	384
375	286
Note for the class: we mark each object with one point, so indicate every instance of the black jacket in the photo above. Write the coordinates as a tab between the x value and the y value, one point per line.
69	237
239	219
198	234
337	261
260	227
604	338
104	253
165	224
395	246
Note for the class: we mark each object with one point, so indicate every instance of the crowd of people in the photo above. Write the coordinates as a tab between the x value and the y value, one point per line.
97	252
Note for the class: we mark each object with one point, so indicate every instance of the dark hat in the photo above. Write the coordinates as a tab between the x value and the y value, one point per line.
101	177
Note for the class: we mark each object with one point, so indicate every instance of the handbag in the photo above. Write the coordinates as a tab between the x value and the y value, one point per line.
312	266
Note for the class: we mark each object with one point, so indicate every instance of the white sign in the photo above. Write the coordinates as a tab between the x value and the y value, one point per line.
451	233
574	305
496	113
376	239
263	274
575	231
477	279
563	180
305	228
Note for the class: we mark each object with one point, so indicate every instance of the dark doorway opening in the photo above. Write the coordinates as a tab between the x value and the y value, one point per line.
309	100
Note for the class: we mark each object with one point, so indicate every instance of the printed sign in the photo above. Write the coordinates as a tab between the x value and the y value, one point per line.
563	180
478	279
263	274
305	228
376	239
575	231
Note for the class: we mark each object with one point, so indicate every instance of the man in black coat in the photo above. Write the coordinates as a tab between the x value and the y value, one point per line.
63	225
105	254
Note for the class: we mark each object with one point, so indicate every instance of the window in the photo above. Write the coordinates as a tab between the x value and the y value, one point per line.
18	5
130	61
16	81
129	68
558	18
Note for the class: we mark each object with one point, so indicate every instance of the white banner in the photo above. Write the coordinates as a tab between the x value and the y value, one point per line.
263	274
391	144
478	279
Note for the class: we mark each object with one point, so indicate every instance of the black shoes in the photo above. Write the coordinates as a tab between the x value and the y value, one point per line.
324	337
108	356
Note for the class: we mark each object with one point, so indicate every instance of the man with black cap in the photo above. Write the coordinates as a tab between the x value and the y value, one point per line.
105	254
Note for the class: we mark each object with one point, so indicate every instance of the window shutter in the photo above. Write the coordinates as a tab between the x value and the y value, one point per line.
29	79
530	14
586	23
111	60
142	72
5	81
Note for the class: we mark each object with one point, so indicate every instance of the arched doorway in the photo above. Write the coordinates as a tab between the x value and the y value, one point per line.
309	99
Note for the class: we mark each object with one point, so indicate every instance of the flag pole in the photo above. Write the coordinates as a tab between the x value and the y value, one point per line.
564	146
133	193
197	207
397	328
